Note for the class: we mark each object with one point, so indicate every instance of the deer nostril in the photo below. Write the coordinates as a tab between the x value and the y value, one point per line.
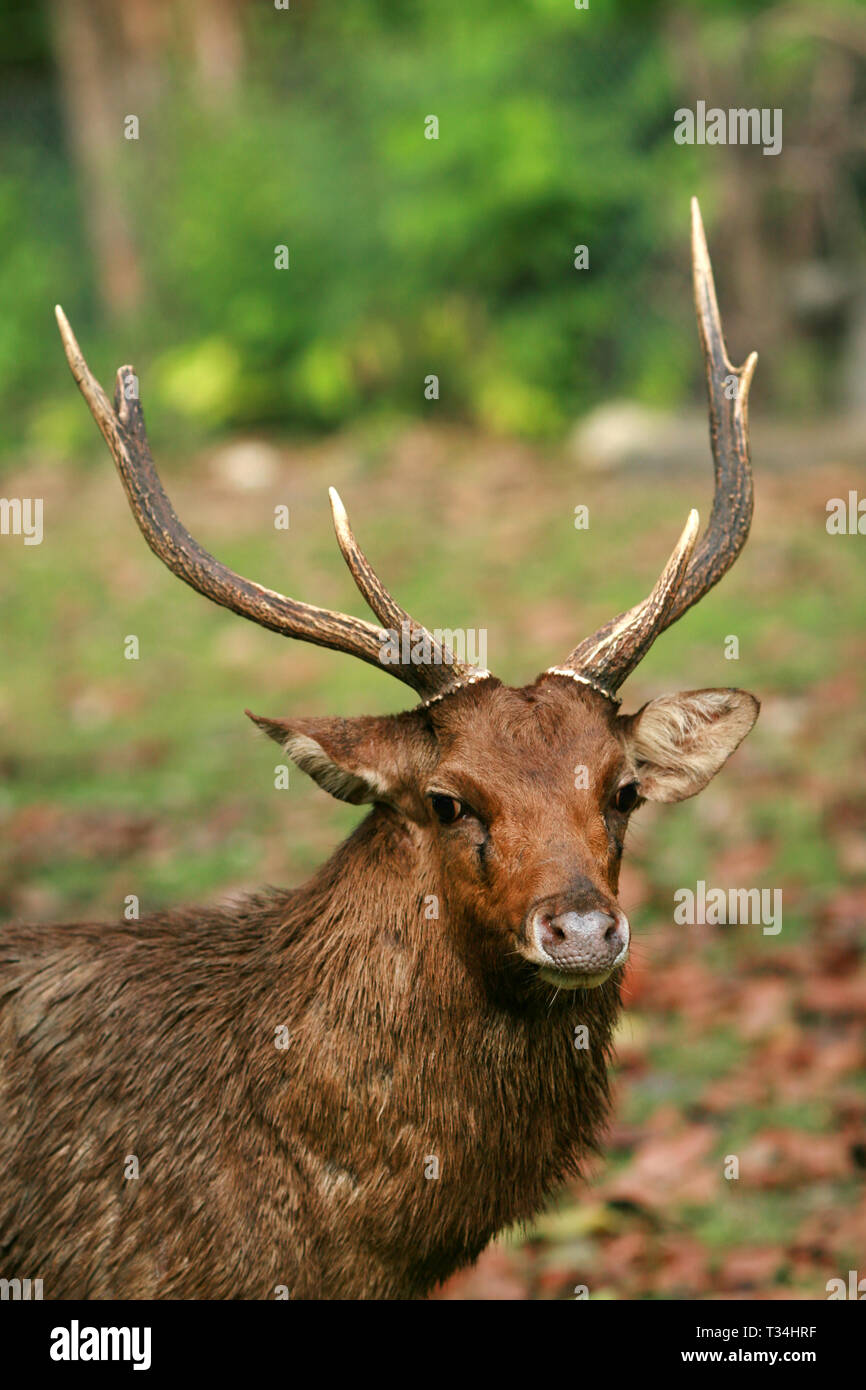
551	930
612	929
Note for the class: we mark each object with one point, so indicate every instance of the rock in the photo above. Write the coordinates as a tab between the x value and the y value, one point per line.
246	465
624	434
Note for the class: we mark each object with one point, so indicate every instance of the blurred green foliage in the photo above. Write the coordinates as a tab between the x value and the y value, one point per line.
408	256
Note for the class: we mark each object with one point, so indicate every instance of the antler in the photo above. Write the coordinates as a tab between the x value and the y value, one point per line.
604	660
435	673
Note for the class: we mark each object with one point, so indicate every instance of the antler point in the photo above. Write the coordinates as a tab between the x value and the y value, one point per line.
338	511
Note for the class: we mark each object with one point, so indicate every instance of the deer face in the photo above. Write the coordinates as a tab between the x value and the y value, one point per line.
518	802
527	835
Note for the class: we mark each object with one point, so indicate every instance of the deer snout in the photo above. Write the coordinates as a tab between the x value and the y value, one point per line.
578	948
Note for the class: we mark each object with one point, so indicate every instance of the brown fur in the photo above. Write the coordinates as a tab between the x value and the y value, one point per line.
411	1036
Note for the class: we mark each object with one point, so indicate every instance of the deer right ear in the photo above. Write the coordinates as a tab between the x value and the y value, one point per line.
679	742
356	760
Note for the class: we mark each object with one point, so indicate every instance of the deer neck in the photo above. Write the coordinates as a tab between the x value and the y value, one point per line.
383	965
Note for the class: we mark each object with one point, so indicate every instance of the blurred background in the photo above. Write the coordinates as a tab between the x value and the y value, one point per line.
258	128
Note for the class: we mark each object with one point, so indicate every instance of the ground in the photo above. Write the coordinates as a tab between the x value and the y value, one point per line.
122	777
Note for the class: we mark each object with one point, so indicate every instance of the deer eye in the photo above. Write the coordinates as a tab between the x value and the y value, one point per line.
626	798
447	808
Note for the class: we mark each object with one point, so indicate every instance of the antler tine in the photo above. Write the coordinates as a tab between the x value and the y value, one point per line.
377	598
122	426
604	660
728	392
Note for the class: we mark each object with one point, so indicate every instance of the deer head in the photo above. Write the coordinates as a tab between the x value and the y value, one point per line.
479	779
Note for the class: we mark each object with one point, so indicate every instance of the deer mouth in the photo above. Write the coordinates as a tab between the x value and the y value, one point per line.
571	979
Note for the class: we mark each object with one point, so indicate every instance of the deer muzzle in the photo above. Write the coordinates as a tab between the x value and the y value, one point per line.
577	949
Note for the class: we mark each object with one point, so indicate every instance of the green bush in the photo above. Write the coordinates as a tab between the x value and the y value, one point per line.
408	256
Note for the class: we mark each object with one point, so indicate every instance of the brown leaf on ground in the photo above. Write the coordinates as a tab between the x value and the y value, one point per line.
762	1005
669	1168
832	1232
682	1270
786	1158
621	1261
687	986
845	996
494	1277
752	1268
747	1087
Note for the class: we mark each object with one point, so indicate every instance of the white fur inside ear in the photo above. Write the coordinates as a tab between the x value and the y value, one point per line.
679	742
358	786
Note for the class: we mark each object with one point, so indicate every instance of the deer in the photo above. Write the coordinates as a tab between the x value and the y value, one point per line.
333	1091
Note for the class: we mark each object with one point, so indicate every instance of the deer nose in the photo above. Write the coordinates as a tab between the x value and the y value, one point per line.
589	943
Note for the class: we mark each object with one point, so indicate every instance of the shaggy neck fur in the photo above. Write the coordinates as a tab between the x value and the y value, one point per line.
479	1075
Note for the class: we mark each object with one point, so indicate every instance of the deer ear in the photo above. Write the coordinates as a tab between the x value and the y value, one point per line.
679	742
357	760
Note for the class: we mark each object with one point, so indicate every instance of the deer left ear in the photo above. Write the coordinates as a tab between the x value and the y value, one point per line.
679	742
356	760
